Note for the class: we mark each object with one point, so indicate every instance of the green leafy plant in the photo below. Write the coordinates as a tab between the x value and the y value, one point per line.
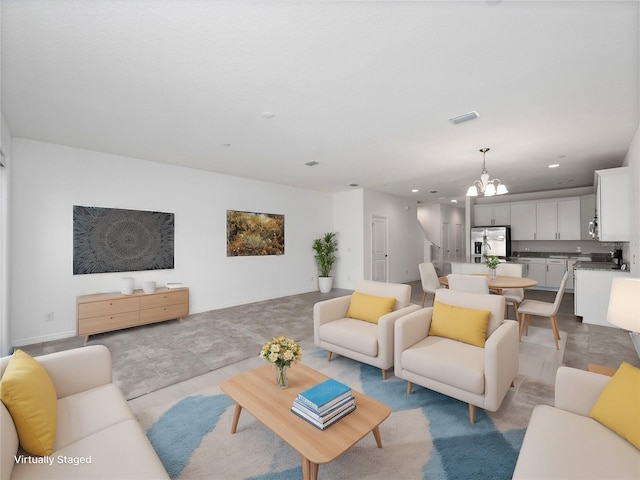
325	248
492	262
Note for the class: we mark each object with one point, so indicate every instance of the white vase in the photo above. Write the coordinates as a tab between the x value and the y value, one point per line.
325	284
127	286
149	287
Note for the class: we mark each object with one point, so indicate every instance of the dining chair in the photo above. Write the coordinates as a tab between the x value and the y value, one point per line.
429	279
468	283
543	309
512	296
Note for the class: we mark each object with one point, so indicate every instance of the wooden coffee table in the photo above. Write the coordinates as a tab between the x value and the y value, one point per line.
257	392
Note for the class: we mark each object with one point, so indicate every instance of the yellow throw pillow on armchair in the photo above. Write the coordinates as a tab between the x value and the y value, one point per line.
618	406
368	307
467	325
29	395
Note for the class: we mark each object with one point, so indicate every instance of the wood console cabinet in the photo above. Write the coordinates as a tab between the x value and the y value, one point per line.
105	312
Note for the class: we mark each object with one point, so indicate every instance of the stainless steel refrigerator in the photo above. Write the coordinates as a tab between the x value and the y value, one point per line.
490	241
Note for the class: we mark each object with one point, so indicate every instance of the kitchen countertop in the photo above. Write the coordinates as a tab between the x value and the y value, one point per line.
597	266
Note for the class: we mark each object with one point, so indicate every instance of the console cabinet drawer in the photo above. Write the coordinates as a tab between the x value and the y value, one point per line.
107	323
108	307
164	299
158	314
104	312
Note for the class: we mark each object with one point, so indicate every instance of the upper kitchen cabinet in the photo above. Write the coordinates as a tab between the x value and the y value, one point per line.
485	215
523	221
558	219
587	212
613	204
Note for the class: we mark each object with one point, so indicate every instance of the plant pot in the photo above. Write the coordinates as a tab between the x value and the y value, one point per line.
325	284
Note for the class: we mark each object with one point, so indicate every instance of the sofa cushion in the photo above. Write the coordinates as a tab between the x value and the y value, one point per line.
369	307
564	445
447	361
352	334
29	395
77	417
618	406
468	325
121	451
8	442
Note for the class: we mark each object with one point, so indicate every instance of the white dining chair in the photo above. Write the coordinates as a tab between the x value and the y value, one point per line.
543	309
468	283
512	296
429	279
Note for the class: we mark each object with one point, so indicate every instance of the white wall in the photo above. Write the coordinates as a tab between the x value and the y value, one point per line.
631	252
405	249
347	222
47	180
5	264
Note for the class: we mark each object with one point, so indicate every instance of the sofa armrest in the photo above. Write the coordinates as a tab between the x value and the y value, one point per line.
328	311
409	330
577	390
386	325
500	363
78	370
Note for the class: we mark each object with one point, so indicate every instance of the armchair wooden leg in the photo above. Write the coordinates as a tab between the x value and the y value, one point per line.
384	374
409	388
472	414
328	356
522	319
424	297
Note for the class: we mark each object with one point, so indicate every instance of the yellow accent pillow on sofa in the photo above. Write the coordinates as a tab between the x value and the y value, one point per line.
29	395
618	406
466	325
368	307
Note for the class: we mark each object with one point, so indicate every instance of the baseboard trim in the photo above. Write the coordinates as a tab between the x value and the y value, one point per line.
43	338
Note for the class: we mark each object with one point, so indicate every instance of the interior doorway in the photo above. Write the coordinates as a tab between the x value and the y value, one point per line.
379	250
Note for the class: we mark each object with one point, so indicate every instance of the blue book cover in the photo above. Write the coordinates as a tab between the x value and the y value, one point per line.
323	393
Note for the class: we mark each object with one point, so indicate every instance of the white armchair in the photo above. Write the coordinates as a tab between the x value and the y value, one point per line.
479	376
363	341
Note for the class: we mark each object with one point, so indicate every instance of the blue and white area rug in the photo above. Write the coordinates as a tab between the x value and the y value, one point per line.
428	435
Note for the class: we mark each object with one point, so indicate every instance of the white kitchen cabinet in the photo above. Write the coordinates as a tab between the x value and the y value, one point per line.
587	212
534	268
591	292
555	269
558	219
497	214
523	221
613	204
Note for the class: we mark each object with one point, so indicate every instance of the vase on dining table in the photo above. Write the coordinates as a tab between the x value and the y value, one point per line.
282	378
492	273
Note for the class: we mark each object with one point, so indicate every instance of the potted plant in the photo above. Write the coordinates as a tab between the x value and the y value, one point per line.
325	248
492	263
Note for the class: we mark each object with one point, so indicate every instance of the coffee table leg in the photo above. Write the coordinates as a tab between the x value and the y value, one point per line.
309	469
376	434
236	417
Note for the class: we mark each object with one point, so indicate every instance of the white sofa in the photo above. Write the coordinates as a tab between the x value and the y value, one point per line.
563	442
97	436
365	342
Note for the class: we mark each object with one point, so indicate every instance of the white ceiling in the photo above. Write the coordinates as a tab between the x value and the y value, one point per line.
364	88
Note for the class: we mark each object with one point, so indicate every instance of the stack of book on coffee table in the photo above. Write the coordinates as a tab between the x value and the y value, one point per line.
324	404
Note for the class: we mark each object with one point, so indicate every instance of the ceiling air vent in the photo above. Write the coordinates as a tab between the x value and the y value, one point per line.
465	117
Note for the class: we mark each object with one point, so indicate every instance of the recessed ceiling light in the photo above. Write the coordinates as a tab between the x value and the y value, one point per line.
415	190
354	185
312	163
268	114
453	200
226	145
465	117
433	191
554	165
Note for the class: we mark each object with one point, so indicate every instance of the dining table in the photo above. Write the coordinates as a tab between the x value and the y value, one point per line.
500	282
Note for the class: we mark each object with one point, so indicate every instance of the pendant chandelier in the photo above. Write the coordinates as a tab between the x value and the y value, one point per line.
485	186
